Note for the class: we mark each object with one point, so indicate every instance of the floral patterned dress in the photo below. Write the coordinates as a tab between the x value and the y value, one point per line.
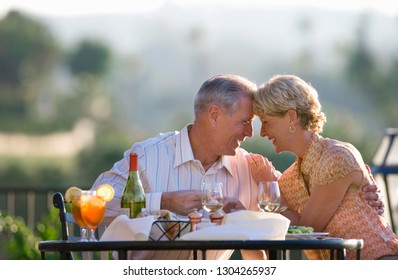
325	161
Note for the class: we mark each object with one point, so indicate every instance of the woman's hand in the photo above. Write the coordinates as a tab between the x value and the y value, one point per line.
261	168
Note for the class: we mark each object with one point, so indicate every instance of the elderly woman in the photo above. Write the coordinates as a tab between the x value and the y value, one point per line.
322	188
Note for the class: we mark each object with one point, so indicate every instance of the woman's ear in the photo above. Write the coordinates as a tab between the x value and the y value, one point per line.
293	117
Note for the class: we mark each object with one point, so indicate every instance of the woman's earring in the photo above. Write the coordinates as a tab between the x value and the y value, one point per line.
292	129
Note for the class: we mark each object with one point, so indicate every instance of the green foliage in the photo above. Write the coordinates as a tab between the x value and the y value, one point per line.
18	123
18	242
49	227
27	52
107	150
377	82
25	42
90	57
352	132
39	176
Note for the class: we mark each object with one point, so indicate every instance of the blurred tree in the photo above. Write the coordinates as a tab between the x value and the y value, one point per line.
90	57
361	66
89	63
389	89
28	52
107	150
377	82
14	175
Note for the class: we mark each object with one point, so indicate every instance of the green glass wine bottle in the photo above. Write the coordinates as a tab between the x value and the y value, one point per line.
133	198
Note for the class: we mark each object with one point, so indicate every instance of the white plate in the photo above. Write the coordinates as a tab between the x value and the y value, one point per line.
314	235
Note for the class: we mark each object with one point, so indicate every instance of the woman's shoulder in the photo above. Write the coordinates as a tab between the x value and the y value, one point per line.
337	160
339	150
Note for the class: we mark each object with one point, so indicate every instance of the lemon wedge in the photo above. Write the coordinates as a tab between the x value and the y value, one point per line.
71	192
106	191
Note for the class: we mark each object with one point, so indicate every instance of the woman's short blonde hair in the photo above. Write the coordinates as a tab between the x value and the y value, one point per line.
284	92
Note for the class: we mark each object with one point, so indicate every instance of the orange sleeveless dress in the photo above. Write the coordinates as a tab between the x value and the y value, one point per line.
325	161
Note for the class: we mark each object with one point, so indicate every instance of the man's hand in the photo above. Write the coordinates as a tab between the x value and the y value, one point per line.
261	168
372	194
181	202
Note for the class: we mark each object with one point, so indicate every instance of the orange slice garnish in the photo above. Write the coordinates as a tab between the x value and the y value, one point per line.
71	193
106	191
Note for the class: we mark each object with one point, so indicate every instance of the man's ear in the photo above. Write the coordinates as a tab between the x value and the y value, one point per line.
214	112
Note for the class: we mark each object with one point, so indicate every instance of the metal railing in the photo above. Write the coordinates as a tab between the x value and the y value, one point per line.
28	203
385	165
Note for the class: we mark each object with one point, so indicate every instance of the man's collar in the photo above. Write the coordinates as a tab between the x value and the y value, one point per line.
184	152
227	163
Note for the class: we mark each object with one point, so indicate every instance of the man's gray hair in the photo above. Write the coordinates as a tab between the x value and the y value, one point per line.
224	90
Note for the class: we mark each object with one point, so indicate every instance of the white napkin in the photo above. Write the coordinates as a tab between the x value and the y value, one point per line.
240	216
244	225
123	228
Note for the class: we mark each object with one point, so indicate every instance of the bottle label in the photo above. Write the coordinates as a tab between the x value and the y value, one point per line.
133	207
125	211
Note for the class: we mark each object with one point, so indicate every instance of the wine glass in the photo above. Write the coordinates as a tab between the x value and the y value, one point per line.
212	197
268	197
76	213
92	208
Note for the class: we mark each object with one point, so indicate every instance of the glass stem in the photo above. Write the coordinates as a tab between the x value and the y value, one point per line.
83	234
92	235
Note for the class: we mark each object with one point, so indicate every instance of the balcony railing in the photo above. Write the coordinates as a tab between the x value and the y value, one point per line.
27	203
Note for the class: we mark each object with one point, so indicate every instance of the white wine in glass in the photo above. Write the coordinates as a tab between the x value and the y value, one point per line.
269	197
212	197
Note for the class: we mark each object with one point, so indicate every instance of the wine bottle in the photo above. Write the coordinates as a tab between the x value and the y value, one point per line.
133	198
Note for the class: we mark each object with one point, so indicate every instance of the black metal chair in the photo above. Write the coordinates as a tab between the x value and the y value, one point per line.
65	218
385	164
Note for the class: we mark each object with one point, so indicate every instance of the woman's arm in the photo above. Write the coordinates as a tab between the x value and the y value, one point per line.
324	201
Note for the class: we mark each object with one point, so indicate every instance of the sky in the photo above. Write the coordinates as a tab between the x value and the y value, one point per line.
81	7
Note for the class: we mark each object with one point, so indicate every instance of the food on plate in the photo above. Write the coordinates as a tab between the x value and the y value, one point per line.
300	230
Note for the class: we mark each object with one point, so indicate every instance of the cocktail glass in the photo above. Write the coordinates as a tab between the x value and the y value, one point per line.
78	216
92	208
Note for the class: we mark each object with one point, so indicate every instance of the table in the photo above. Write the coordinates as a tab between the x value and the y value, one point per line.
337	246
